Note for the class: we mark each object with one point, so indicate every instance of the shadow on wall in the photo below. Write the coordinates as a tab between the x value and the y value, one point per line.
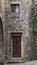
1	30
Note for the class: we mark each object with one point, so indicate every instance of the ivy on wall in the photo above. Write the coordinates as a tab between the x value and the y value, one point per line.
33	53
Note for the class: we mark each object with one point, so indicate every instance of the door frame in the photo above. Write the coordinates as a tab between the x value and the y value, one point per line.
12	59
16	34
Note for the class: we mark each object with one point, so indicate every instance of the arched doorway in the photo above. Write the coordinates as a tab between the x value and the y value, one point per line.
1	30
1	40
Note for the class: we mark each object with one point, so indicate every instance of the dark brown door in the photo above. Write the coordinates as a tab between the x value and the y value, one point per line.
16	46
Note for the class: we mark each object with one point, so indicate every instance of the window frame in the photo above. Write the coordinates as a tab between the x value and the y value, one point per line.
14	9
15	2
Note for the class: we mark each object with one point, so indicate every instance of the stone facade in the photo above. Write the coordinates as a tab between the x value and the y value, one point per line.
16	23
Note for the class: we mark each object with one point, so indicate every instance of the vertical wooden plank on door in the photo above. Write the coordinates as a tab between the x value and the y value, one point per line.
16	46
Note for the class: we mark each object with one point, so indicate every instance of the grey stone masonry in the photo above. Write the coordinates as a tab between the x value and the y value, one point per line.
16	23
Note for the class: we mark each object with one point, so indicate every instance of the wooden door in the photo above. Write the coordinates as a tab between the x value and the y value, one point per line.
16	46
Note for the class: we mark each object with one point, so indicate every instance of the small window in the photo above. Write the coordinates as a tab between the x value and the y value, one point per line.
15	8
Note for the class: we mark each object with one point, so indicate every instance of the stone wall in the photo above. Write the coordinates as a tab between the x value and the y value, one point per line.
15	23
2	50
18	24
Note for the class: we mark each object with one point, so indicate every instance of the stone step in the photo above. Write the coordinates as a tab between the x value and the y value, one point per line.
16	64
26	63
